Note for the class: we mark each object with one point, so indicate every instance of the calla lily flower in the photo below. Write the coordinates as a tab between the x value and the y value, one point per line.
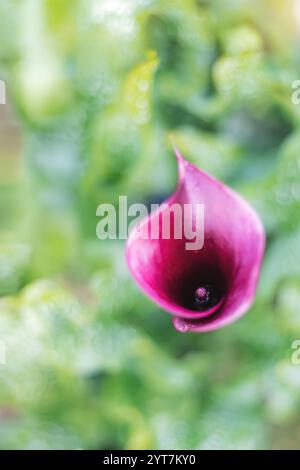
206	288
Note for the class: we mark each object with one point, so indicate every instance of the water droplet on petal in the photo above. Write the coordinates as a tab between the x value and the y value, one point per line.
180	325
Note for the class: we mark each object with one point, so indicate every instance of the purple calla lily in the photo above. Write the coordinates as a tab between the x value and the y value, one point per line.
206	288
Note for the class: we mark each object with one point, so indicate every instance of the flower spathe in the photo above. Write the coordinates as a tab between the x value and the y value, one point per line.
207	288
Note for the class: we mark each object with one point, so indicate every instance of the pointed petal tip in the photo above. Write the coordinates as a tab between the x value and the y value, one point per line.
181	161
179	156
176	150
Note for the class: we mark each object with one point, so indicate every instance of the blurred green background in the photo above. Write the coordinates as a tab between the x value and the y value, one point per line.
94	89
